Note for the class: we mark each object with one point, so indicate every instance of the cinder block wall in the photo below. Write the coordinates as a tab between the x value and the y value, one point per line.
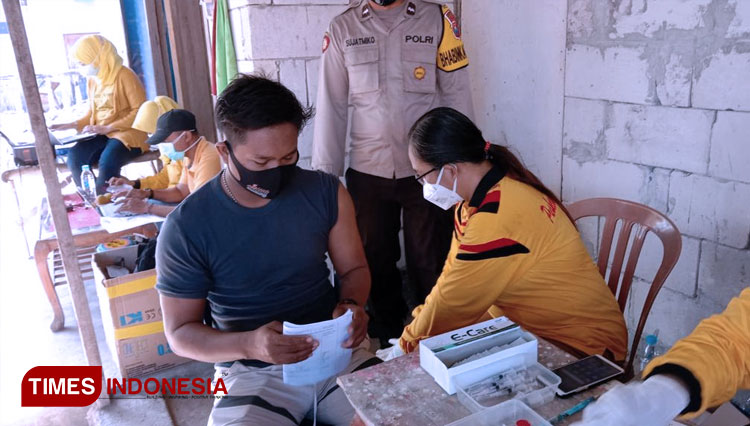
657	110
643	100
284	40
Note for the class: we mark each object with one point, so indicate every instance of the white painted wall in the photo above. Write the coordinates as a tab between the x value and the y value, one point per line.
517	60
647	101
656	109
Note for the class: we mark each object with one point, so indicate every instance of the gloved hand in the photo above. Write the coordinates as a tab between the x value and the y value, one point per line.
655	401
393	352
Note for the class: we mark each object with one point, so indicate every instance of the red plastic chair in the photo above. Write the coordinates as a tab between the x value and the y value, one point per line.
640	219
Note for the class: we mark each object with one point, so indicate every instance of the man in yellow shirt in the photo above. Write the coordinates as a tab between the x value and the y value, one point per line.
178	138
145	121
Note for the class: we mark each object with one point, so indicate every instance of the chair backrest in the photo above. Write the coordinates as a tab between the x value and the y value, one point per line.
644	219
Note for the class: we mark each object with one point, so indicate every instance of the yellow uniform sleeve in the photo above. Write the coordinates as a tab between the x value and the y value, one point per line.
717	353
159	180
136	95
480	271
451	54
203	170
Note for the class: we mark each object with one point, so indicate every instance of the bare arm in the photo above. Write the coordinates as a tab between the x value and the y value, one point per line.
174	194
348	257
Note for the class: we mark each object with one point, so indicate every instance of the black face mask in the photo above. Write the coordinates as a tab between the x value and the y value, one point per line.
384	2
263	183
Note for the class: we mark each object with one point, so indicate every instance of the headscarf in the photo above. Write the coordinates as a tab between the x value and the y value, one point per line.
150	111
101	53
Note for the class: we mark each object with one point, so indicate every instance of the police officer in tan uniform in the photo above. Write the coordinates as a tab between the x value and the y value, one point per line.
390	61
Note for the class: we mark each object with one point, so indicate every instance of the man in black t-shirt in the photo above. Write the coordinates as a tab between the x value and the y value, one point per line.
252	243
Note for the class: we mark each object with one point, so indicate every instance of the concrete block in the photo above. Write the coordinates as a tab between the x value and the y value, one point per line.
236	4
517	77
724	272
269	69
674	314
240	20
708	208
646	18
614	179
305	140
740	25
675	138
312	67
583	129
581	19
293	75
302	39
730	146
724	84
673	86
614	73
588	227
684	277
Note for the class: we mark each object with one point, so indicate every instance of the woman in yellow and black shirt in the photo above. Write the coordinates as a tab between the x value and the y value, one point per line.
515	250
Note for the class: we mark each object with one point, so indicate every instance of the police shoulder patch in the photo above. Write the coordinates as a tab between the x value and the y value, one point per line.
451	53
326	42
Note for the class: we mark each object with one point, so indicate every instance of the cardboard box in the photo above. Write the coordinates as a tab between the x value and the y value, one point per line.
131	316
438	354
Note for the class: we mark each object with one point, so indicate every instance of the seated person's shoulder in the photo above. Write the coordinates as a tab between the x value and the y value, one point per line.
199	202
317	178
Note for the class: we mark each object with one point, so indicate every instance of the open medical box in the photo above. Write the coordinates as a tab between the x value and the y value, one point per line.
465	356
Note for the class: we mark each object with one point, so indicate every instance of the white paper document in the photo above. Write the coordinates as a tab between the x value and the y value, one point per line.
112	221
328	359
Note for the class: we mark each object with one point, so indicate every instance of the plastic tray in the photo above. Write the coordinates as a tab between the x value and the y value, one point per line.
510	413
544	388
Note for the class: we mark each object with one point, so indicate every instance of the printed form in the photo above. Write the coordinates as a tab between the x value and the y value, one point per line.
329	359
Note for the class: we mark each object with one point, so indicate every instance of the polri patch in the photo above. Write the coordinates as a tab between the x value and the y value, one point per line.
326	42
451	18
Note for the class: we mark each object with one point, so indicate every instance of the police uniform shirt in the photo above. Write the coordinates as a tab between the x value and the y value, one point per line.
389	77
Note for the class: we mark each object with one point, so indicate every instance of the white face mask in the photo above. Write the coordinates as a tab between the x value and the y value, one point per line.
440	195
91	70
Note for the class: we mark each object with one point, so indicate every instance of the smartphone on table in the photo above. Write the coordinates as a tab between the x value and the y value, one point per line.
585	373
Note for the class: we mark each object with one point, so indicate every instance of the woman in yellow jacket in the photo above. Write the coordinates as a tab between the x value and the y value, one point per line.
115	93
701	371
515	250
145	121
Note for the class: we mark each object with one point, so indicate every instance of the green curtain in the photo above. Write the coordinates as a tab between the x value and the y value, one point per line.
226	60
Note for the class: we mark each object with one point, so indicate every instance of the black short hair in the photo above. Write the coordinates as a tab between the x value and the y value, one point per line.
252	102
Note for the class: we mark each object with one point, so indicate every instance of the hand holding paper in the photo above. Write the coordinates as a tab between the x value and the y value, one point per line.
358	328
274	347
329	359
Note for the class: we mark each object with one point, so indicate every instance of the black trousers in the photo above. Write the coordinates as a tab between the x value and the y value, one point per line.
379	204
109	154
